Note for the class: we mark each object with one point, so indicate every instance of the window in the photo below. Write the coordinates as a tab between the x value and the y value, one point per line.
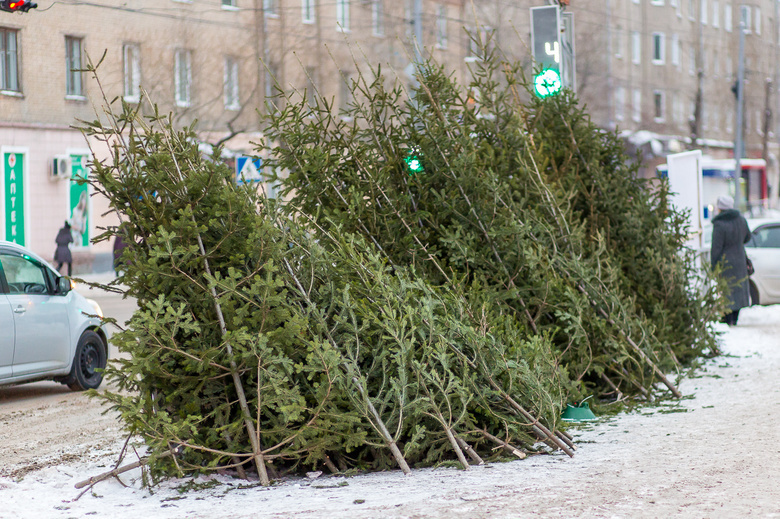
271	89
345	92
636	49
657	2
659	52
182	77
378	17
703	12
618	43
727	17
232	101
311	87
229	4
24	276
759	123
768	236
637	105
692	62
307	11
716	13
131	56
271	8
757	27
691	10
342	15
441	26
744	16
9	60
659	101
620	103
715	64
636	1
676	50
73	80
677	4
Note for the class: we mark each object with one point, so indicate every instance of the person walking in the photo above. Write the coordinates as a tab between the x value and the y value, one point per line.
730	233
62	255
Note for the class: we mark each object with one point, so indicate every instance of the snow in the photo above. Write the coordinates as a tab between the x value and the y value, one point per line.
713	453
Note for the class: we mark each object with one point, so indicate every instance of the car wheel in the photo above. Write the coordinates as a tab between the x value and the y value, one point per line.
88	363
754	295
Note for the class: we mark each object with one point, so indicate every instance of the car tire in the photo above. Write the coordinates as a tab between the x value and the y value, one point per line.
88	363
754	299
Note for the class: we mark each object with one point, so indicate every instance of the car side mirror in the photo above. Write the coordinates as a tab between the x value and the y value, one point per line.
63	285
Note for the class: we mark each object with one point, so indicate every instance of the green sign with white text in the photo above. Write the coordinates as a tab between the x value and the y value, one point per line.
13	196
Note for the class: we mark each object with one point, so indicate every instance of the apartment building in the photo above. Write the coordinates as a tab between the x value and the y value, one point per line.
641	66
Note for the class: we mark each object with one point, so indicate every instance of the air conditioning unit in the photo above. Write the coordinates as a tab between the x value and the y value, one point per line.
60	167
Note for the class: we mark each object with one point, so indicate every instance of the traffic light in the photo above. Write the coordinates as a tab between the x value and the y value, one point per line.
546	47
413	162
17	5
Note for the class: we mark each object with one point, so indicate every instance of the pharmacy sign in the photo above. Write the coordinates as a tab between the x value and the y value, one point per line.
13	196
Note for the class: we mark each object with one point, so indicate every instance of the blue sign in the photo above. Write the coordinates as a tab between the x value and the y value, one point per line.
248	169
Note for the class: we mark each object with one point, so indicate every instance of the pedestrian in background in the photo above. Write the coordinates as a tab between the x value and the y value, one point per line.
119	246
730	233
62	255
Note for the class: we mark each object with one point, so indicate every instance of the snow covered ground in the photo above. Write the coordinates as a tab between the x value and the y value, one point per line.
715	453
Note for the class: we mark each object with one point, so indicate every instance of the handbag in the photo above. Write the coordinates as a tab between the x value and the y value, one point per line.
750	269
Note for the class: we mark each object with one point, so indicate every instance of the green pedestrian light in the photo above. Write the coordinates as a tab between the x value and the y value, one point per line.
413	163
547	83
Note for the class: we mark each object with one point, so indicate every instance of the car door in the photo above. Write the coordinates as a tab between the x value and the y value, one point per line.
40	317
764	251
7	335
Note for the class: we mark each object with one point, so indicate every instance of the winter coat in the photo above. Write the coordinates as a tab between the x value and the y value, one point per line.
730	233
63	240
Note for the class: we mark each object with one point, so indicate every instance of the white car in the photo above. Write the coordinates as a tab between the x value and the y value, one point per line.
47	330
763	249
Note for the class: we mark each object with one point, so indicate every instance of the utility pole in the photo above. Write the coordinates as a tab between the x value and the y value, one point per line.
739	146
418	34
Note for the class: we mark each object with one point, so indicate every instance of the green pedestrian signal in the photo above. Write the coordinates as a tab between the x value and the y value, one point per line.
413	163
547	83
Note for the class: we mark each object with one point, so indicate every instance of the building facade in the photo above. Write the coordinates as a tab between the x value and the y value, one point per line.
659	71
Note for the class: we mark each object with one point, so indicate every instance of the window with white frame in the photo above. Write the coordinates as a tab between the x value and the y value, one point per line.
691	10
659	106
636	1
228	3
311	86
441	26
676	50
636	49
620	103
744	16
74	85
703	11
271	8
345	92
342	15
9	60
674	3
716	13
131	65
182	77
757	26
677	4
727	24
232	101
618	42
307	11
659	50
657	2
692	61
636	105
378	17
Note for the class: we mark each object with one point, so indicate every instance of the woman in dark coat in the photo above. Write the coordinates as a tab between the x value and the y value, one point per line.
62	254
730	233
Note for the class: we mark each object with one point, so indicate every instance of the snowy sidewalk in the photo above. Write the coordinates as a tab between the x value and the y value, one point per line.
712	454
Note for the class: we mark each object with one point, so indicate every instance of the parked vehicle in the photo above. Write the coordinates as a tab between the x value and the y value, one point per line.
47	330
763	249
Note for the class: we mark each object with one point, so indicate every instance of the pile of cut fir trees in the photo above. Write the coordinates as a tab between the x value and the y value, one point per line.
389	316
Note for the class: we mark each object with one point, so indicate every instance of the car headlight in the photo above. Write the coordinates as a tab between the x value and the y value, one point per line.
98	311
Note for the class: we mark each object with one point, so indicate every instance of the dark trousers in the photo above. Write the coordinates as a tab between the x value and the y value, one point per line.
731	318
70	268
